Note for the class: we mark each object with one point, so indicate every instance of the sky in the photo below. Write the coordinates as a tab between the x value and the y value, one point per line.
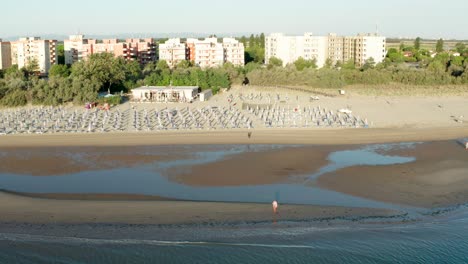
391	18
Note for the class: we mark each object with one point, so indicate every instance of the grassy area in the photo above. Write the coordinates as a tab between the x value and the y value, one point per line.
371	90
425	44
408	90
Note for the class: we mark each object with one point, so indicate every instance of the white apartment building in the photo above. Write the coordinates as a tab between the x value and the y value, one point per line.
26	50
206	53
73	48
368	46
336	48
233	51
173	52
5	55
291	48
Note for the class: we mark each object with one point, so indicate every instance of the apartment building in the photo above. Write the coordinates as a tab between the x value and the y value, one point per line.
233	52
291	48
78	48
5	54
173	52
206	53
34	49
368	46
358	48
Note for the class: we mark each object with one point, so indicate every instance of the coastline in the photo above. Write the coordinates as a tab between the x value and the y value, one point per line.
437	178
24	209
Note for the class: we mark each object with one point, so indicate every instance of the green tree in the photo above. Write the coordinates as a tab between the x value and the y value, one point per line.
417	43
184	64
32	67
59	70
103	69
275	62
60	54
369	64
251	41
402	46
440	45
328	63
349	65
460	47
302	64
262	40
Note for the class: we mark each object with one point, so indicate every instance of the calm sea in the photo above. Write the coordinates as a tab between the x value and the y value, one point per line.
441	239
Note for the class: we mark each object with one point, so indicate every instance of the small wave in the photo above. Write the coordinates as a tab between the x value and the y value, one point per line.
90	241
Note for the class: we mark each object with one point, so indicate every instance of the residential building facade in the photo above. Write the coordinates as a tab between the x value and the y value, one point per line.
5	54
335	48
204	53
141	50
33	49
233	51
173	52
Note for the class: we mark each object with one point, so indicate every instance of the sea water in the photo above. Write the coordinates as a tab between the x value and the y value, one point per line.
437	240
425	239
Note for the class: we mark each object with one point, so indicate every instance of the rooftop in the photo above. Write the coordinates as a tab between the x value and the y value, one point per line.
165	88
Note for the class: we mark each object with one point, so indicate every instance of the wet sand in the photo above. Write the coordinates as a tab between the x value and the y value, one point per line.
48	161
438	177
21	209
255	168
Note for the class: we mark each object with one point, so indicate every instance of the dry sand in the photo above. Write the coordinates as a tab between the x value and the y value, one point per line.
15	208
274	136
438	177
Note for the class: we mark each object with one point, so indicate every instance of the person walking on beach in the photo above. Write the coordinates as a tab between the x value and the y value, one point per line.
249	134
275	206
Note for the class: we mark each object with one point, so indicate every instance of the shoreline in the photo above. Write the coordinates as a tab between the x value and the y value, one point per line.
437	178
25	209
279	136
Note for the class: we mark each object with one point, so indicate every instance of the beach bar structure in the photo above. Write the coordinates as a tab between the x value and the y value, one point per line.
206	95
165	94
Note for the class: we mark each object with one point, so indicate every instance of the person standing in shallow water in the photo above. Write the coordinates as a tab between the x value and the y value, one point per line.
275	207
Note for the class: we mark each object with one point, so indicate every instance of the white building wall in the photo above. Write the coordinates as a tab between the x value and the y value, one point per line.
233	51
73	47
172	51
374	47
291	48
208	52
359	48
28	49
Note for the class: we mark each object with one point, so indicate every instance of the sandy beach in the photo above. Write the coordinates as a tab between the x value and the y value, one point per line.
437	178
22	209
274	136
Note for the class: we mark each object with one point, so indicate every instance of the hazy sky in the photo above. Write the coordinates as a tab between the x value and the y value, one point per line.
393	18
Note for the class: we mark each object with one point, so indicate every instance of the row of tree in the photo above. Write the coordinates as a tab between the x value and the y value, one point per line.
103	72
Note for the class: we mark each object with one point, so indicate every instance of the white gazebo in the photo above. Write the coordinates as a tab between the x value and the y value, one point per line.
164	94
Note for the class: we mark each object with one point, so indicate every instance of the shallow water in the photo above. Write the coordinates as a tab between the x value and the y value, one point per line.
148	180
434	240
